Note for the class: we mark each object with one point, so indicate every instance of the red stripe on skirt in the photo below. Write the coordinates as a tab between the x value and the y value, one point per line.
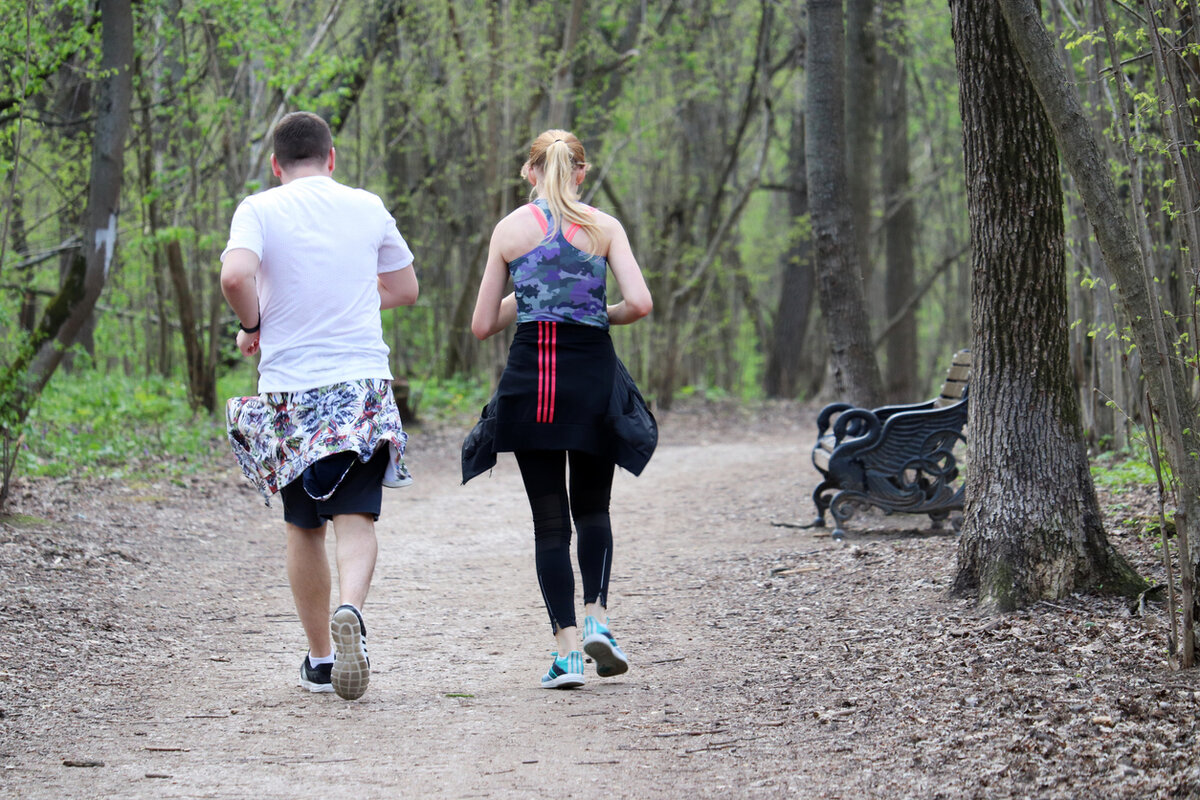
553	367
547	370
541	381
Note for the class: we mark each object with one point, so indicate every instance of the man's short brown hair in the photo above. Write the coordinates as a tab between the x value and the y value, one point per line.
301	137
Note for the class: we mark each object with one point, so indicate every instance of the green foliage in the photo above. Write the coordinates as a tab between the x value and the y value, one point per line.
448	399
92	423
707	393
1125	470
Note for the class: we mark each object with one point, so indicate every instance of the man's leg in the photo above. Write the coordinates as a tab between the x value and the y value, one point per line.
357	549
353	508
308	574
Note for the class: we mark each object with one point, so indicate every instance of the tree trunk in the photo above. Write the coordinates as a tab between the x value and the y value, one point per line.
839	276
899	225
70	309
27	315
1165	383
202	384
1032	527
861	124
559	115
786	361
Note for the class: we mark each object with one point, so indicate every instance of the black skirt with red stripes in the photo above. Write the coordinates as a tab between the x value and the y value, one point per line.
554	393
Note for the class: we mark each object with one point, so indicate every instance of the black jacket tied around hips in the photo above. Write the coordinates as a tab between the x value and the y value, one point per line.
631	428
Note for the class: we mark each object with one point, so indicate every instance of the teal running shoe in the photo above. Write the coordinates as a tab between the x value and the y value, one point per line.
565	673
599	643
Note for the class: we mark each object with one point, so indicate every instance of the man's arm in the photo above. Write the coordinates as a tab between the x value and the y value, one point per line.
398	288
237	284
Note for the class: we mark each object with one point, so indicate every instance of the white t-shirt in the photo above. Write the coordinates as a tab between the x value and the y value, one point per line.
321	246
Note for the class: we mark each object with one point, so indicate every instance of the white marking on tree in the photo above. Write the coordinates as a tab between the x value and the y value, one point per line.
107	238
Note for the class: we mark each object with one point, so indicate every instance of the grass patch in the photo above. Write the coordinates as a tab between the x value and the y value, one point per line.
88	424
448	399
23	521
1119	471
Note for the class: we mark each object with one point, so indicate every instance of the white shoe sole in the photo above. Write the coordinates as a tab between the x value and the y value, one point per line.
316	688
609	661
567	681
351	670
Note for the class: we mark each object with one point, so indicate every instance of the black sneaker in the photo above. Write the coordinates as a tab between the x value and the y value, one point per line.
316	679
351	667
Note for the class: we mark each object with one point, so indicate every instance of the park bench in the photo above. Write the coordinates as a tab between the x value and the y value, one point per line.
897	458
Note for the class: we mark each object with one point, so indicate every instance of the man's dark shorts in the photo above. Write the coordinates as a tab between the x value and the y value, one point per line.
360	490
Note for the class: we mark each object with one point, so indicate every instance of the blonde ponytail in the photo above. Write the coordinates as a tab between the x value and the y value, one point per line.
558	154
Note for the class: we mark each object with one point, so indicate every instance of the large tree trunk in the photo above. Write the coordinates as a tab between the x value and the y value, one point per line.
839	275
899	224
66	314
786	360
1165	383
1032	527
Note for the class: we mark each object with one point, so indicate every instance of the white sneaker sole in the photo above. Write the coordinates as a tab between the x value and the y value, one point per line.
351	670
316	688
609	661
567	681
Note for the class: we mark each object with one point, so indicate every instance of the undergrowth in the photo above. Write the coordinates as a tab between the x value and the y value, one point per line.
92	424
1118	470
89	424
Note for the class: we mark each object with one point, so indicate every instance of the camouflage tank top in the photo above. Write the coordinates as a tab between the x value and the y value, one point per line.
556	281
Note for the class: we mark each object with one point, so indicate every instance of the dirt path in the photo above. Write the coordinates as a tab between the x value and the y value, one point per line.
148	631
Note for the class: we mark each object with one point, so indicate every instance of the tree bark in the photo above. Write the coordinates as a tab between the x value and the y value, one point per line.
1165	381
559	115
899	227
202	383
861	125
786	360
1032	527
839	275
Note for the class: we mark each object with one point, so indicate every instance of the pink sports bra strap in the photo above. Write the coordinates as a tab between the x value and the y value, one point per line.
568	234
575	227
540	217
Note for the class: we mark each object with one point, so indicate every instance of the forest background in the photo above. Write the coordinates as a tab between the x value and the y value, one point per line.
695	118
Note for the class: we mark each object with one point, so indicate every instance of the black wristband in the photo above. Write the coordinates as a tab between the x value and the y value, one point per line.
244	329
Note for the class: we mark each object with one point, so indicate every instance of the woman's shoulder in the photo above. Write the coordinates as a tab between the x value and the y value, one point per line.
519	215
515	221
516	233
604	218
607	222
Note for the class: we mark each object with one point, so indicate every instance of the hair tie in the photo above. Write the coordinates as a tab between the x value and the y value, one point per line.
556	140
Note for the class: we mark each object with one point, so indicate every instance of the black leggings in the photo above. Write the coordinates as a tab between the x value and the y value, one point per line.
544	474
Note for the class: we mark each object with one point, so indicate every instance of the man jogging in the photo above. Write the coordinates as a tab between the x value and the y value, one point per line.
308	266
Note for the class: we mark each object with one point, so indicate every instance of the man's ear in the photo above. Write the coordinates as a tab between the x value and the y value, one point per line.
275	170
332	159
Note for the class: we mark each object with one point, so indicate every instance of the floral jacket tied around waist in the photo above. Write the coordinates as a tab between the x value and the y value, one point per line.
276	436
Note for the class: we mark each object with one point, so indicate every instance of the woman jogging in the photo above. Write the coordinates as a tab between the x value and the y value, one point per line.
555	401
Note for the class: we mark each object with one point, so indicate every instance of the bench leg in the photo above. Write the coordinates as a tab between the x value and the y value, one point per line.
821	501
841	510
